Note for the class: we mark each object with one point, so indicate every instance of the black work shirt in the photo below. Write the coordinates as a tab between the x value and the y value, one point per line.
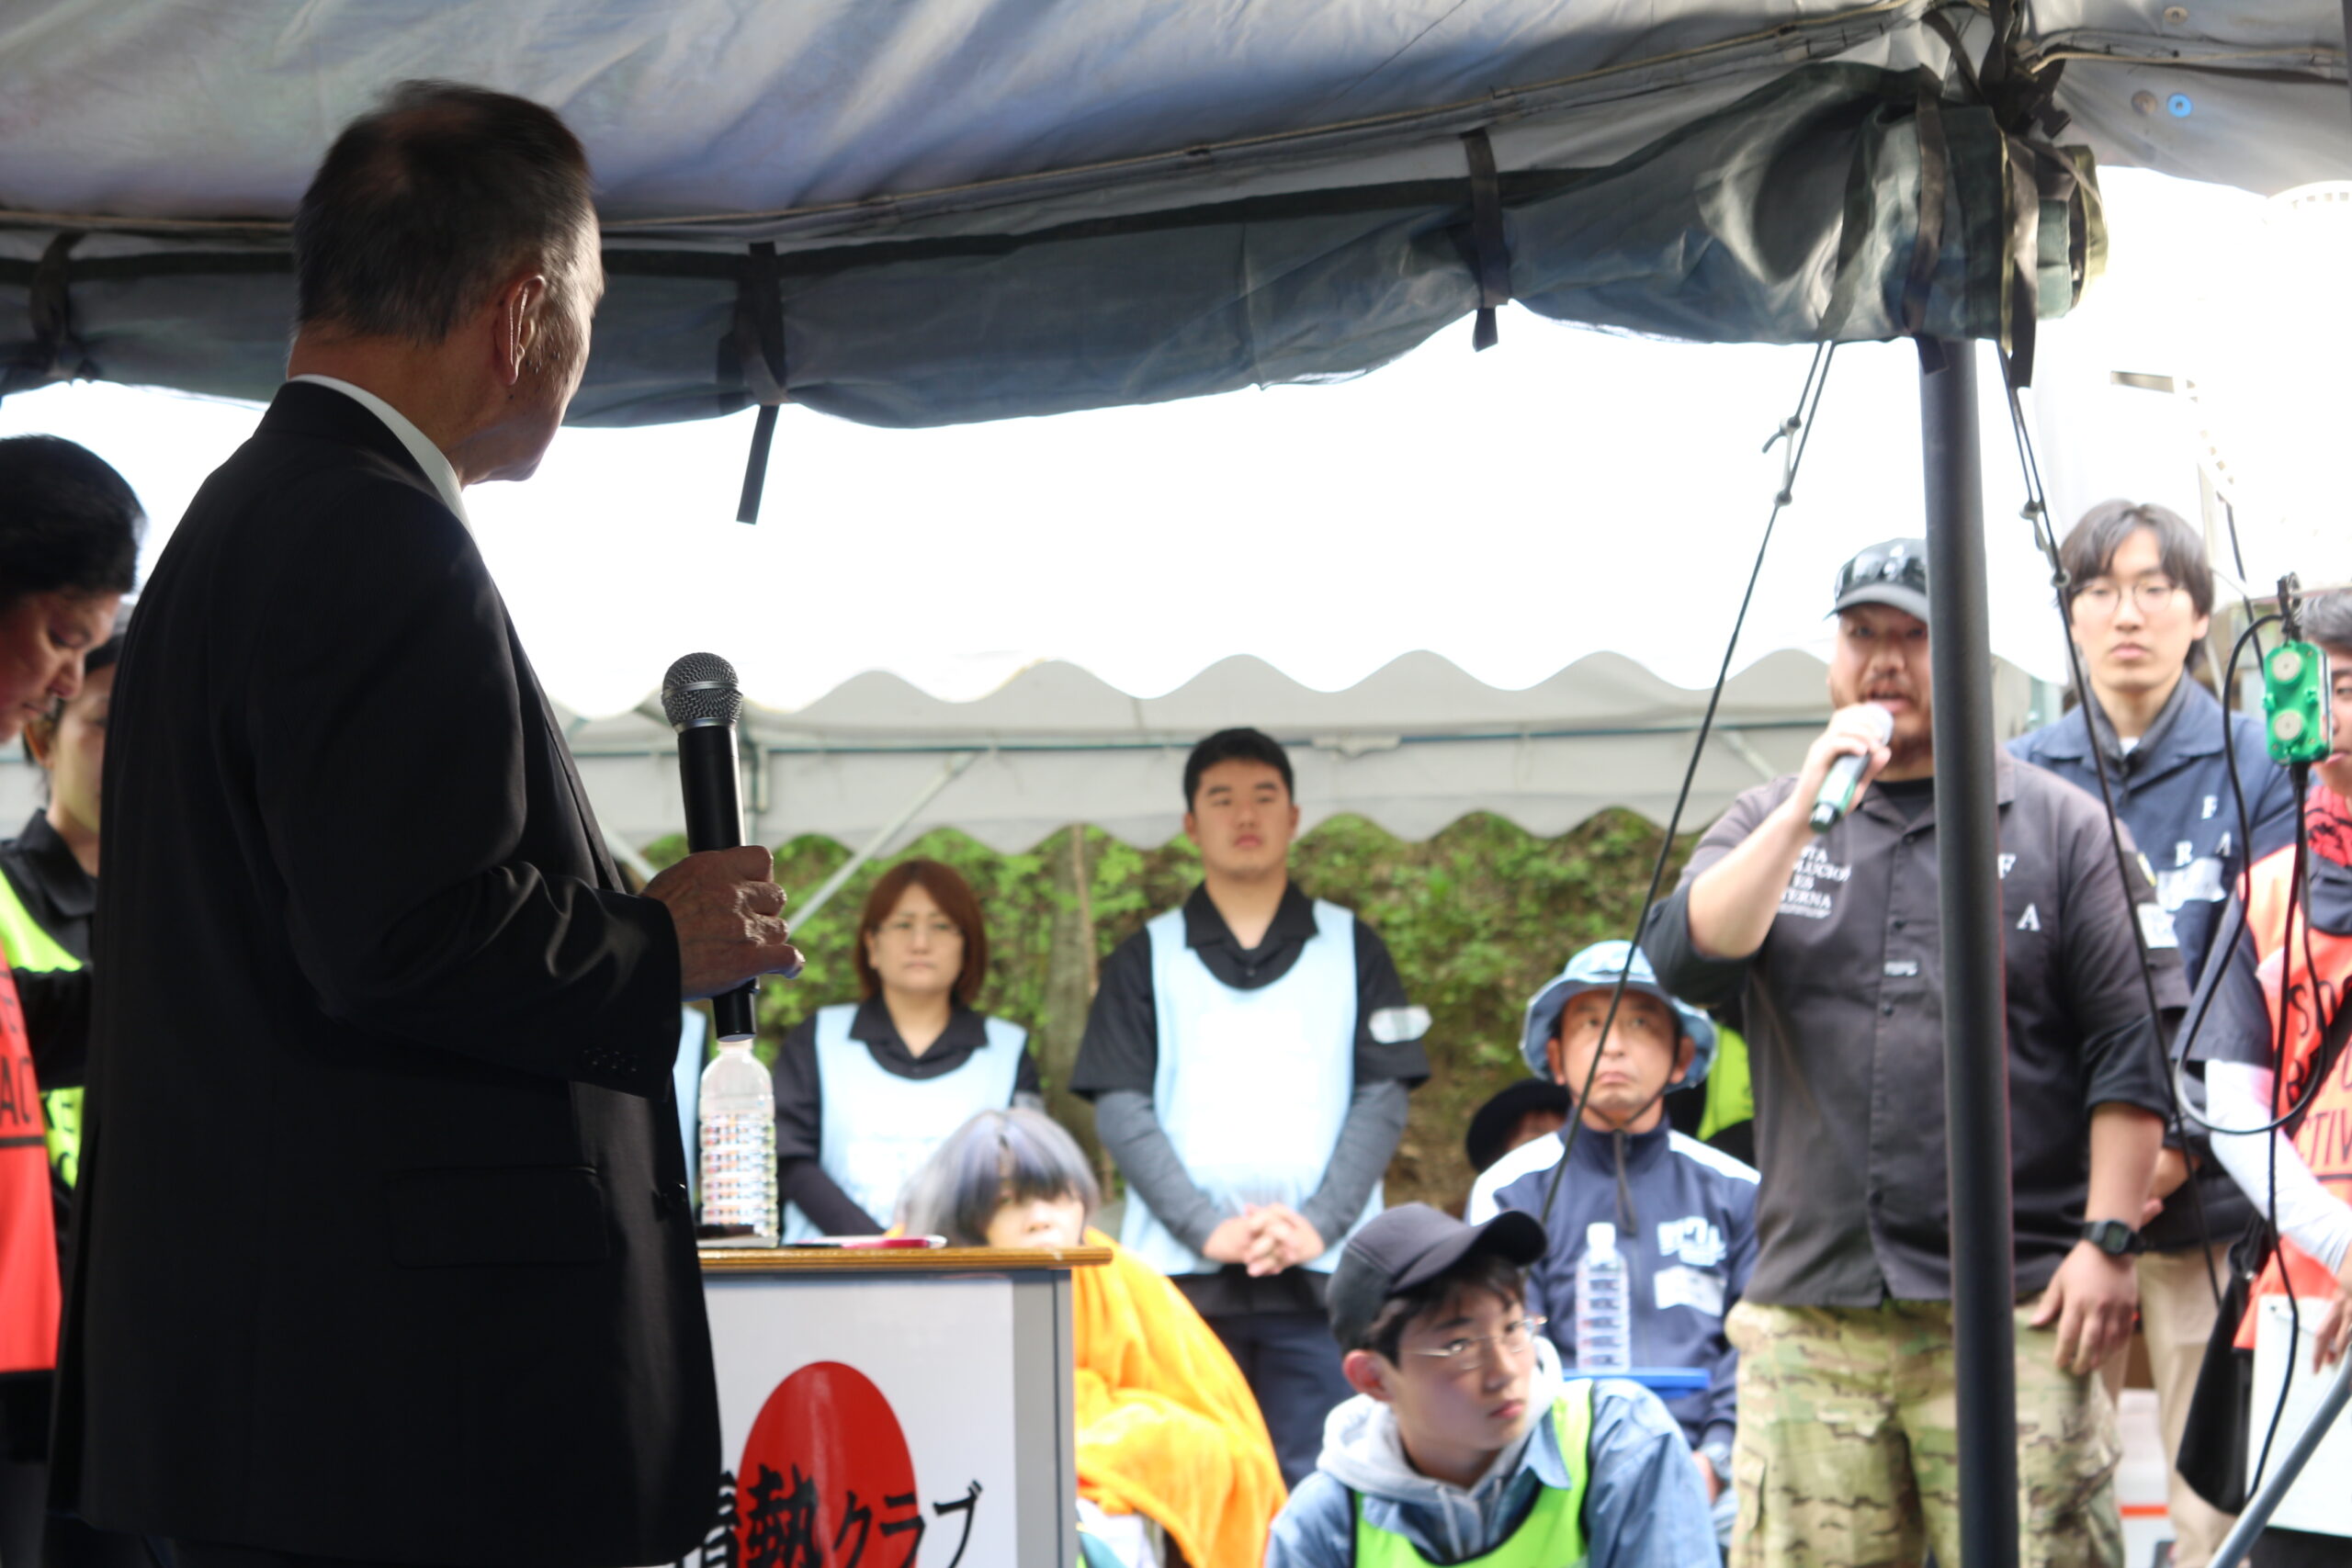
800	1101
1120	1048
1844	1003
56	891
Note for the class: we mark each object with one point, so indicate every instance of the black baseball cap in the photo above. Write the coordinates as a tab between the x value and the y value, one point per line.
1499	1117
1892	572
1411	1245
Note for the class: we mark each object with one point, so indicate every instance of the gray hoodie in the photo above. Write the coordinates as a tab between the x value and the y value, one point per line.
1643	1506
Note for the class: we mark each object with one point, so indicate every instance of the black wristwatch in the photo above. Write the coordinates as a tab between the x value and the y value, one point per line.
2113	1237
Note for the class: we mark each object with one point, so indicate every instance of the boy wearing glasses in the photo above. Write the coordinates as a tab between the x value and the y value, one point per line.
1683	1214
1464	1441
1833	940
2138	598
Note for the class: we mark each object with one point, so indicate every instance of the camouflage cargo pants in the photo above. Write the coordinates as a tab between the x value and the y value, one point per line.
1846	1449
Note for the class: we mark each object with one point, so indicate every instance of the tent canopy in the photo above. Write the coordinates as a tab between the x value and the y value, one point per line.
981	209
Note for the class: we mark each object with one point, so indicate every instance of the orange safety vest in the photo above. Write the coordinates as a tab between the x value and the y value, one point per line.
29	1289
2325	1139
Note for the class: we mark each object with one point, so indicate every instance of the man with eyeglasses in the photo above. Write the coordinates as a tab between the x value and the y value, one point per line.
1845	1450
2139	601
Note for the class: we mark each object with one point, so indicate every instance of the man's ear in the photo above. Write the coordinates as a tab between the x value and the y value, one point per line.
519	308
1367	1374
1555	1058
1684	1054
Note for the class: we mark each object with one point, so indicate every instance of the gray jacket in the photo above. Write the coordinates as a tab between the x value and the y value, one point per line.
1643	1506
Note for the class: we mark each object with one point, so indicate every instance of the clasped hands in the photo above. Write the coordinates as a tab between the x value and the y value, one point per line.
1267	1237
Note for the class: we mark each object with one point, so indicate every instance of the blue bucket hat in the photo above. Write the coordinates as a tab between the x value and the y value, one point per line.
1596	968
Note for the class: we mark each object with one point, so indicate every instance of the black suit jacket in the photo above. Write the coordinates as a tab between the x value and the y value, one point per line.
385	1249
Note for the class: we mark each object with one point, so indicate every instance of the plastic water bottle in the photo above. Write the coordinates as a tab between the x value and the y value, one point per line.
739	1148
1604	1330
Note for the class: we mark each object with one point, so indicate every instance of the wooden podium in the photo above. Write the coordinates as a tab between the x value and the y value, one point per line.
894	1409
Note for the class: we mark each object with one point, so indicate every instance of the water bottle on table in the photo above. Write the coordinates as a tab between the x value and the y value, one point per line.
1604	1329
739	1190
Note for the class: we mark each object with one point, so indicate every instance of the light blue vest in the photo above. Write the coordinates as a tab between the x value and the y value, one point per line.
1252	1086
877	1128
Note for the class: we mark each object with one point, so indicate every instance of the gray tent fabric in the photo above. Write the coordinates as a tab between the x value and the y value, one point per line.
983	209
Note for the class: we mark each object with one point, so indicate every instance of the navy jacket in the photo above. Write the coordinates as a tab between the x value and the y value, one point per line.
1686	1227
2172	791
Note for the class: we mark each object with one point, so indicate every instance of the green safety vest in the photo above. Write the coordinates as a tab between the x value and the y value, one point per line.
28	946
1730	1098
1552	1535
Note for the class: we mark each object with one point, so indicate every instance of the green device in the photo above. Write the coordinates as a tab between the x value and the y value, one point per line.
2295	713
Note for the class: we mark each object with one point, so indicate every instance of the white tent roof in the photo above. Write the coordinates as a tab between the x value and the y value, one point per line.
1414	747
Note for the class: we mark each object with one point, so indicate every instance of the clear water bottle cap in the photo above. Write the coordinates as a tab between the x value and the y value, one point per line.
1601	1239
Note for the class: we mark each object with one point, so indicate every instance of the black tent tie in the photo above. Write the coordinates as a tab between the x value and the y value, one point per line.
1490	250
757	344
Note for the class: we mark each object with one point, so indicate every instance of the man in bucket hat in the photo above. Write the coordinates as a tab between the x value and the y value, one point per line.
1681	1215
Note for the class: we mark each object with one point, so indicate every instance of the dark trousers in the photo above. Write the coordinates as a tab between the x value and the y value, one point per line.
204	1554
1292	1366
2298	1548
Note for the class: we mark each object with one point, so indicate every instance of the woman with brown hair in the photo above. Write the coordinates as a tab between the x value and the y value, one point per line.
865	1091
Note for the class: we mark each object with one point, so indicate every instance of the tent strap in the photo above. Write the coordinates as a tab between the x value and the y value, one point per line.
755	347
54	354
1490	250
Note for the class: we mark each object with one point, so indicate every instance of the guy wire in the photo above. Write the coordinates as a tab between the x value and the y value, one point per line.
1797	430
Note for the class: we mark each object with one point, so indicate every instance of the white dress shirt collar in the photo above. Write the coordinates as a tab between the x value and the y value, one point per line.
428	456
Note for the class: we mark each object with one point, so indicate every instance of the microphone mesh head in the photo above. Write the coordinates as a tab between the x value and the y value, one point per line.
698	689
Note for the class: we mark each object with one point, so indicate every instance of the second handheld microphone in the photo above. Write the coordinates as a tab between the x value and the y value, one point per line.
702	703
1845	781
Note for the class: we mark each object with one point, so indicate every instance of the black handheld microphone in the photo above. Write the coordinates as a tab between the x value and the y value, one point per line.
1845	779
702	703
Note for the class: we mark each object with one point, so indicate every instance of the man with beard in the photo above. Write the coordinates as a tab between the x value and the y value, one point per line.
1846	1449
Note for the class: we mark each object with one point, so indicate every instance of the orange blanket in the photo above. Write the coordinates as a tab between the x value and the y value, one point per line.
1166	1425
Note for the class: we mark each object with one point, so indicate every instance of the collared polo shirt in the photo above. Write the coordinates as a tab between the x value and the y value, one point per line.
1844	1004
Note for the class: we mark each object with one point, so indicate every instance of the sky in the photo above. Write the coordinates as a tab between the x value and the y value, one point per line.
1565	493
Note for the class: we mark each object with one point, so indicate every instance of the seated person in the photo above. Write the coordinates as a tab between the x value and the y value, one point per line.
1523	1113
1685	1213
1463	1439
1166	1426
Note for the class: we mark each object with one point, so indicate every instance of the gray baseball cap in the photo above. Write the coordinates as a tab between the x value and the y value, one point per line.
1892	572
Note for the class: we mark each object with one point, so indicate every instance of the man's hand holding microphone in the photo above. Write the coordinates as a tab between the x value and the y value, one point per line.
729	915
1732	904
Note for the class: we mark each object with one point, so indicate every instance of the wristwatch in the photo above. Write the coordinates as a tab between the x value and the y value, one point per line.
2113	1237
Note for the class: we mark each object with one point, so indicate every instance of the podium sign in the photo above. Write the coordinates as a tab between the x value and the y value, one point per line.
2318	1501
893	1410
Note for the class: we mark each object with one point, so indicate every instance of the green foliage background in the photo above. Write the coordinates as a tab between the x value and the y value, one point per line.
1477	918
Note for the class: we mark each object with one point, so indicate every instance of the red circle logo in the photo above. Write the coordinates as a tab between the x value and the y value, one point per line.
826	1481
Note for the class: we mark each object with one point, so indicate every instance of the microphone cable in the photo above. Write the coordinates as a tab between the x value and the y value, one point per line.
1796	431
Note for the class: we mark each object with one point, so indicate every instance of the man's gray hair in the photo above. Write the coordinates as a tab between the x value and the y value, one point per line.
426	205
997	1157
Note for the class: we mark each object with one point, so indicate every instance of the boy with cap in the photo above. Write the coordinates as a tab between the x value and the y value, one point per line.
1681	1214
1463	1441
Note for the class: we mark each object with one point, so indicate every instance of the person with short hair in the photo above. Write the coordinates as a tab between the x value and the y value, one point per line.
2139	602
385	1252
1835	939
70	528
864	1091
2266	997
1167	1430
1249	1054
1683	1214
1464	1442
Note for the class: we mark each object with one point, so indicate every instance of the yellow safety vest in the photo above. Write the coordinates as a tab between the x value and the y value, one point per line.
1552	1535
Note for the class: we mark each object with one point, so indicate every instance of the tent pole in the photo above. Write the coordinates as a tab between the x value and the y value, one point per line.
1975	1058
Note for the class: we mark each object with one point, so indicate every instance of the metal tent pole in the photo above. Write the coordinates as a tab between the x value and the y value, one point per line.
1976	1076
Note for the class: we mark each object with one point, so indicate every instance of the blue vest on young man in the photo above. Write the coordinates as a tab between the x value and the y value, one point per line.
1252	1087
878	1128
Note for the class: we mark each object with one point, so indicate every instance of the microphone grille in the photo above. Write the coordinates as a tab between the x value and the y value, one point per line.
700	689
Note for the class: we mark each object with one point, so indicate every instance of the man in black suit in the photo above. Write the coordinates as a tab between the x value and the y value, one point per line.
386	1253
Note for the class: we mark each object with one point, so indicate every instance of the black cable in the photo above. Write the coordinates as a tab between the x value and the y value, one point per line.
2045	535
1797	430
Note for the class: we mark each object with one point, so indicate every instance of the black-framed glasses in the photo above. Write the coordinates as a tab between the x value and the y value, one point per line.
1898	563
